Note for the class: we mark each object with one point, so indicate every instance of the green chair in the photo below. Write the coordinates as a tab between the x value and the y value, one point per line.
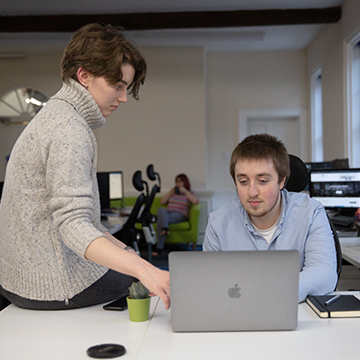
186	231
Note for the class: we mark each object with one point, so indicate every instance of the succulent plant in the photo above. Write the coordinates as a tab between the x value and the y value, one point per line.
138	291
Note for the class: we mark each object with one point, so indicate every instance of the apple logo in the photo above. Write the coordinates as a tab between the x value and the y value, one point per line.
234	292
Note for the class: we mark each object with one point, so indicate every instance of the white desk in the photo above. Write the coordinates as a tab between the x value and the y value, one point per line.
67	334
314	338
351	256
41	335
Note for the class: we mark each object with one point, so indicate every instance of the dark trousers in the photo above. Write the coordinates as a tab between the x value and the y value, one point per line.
111	286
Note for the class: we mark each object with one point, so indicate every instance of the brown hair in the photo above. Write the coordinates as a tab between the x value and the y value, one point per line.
102	50
185	180
262	146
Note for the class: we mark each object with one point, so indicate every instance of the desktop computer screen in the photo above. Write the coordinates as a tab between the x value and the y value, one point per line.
116	186
336	189
316	166
111	187
319	165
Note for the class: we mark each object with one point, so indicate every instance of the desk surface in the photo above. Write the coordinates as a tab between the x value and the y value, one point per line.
353	257
67	334
114	222
44	335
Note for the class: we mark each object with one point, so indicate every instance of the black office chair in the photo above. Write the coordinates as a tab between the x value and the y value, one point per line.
147	219
297	182
128	234
140	213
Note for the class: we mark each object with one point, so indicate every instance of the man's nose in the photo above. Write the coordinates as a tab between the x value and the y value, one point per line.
253	189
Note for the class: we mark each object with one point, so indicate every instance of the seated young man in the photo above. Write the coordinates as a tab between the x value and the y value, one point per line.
265	216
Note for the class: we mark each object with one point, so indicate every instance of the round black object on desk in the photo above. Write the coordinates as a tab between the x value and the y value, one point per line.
106	351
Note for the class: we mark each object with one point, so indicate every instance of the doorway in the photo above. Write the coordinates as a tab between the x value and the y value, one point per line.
288	125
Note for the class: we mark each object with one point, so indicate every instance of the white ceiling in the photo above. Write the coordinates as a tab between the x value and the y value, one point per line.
224	39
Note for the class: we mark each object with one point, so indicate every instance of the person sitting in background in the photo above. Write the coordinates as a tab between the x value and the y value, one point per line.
265	216
178	201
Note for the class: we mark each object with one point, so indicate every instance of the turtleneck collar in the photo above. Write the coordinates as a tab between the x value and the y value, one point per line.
82	101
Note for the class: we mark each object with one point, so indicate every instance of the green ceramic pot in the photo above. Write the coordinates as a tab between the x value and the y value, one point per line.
139	309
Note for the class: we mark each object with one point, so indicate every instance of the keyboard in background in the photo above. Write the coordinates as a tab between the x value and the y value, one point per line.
343	220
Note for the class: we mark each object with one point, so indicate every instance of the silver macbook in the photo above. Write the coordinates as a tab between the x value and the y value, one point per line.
234	291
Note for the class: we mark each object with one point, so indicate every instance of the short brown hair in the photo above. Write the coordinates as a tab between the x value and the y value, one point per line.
262	146
102	50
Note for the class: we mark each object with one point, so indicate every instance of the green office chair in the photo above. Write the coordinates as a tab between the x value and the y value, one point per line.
297	182
186	232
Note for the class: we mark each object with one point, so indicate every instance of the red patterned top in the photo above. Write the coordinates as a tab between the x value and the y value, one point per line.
179	203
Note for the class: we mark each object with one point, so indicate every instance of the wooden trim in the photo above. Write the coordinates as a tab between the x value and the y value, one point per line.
172	20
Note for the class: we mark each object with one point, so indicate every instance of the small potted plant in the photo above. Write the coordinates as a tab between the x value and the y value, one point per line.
138	302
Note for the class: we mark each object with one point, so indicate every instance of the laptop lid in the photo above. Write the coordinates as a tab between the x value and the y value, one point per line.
234	291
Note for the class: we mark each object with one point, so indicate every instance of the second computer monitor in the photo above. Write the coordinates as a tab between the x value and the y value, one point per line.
336	189
111	187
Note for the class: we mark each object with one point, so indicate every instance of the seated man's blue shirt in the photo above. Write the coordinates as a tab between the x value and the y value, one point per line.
303	225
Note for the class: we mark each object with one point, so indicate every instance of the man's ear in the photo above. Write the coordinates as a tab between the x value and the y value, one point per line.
83	77
282	183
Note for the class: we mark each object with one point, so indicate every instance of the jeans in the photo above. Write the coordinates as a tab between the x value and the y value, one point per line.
111	286
164	218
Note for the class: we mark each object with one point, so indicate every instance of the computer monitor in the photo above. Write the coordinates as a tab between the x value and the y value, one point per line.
111	187
336	189
340	163
319	165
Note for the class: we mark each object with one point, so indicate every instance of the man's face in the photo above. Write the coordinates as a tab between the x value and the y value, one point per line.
258	188
109	96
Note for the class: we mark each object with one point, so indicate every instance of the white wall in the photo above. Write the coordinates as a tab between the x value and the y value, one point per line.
249	80
327	52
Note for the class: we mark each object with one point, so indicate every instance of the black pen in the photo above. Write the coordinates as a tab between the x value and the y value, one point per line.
327	302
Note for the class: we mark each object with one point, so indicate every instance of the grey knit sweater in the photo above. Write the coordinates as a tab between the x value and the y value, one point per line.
49	211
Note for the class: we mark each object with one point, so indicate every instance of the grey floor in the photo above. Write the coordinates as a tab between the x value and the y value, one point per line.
349	278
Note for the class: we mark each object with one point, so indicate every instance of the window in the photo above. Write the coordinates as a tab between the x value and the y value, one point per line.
20	106
316	118
352	106
17	107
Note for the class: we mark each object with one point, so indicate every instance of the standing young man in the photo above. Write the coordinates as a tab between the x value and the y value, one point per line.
268	217
55	254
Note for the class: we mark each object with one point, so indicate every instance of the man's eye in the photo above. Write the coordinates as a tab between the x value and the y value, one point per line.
242	182
263	181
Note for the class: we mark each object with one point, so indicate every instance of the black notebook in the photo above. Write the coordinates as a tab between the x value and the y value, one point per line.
344	306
